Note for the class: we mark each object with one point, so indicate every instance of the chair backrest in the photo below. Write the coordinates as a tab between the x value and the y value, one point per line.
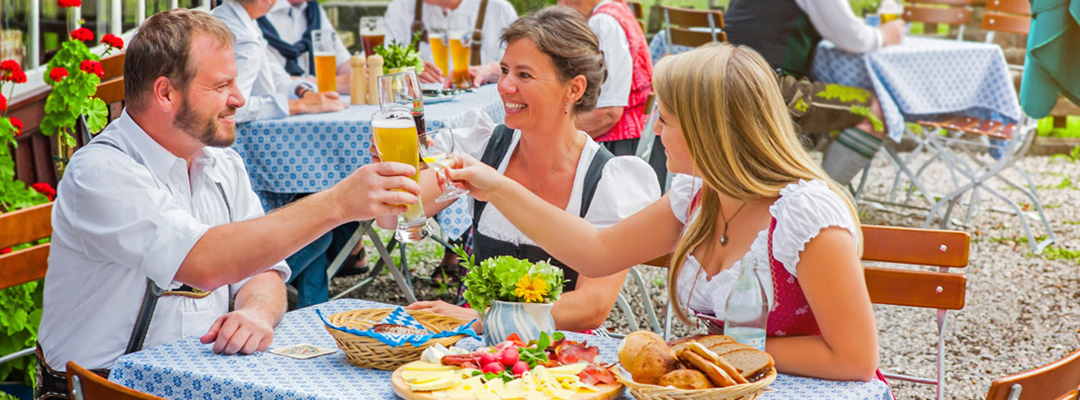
111	88
86	385
1058	380
689	27
20	227
937	12
938	290
1011	16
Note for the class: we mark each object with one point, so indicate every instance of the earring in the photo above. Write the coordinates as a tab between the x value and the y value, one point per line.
566	110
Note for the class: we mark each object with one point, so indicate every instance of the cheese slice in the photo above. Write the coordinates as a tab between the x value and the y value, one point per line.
426	366
569	369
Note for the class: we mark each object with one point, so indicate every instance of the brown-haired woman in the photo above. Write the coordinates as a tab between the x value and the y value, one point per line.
551	71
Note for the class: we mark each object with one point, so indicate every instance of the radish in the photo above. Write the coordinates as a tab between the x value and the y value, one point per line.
488	358
510	356
492	368
520	367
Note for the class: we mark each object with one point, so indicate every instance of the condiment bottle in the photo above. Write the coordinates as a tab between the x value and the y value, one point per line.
358	80
375	70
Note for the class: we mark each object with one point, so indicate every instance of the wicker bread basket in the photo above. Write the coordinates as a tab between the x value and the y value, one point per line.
366	352
746	391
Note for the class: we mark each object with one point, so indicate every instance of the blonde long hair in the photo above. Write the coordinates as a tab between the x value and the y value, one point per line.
740	137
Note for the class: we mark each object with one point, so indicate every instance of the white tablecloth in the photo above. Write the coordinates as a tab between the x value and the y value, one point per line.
187	369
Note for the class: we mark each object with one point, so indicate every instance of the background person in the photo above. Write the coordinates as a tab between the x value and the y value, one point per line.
159	197
498	14
551	73
287	30
747	189
786	33
269	90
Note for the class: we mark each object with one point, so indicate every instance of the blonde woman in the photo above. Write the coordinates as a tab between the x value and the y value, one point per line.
746	188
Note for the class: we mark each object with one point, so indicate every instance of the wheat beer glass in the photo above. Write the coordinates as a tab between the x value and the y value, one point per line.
322	48
396	140
460	49
440	50
372	33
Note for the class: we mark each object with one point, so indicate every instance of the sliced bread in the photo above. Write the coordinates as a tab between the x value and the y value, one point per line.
722	348
751	363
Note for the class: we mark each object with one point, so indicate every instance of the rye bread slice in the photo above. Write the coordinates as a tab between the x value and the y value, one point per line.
722	348
751	363
713	340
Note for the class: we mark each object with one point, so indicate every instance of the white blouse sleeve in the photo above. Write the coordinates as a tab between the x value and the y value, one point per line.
803	210
475	132
627	185
681	194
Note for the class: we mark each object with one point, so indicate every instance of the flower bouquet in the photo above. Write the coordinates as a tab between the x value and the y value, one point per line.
513	295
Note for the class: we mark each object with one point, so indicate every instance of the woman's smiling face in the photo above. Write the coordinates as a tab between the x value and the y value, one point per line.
530	88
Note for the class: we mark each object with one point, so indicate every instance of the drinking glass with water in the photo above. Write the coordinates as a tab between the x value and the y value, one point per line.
747	308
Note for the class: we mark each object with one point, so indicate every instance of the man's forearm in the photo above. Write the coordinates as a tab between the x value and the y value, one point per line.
599	121
229	253
264	294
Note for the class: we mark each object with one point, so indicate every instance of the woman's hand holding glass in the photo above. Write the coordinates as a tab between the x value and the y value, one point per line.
438	153
479	179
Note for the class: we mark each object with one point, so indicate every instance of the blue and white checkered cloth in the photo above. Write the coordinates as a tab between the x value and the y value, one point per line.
401	317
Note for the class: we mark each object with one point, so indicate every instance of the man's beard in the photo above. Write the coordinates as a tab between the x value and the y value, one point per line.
205	131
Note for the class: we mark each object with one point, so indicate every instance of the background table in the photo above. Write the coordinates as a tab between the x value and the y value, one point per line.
311	152
187	369
924	78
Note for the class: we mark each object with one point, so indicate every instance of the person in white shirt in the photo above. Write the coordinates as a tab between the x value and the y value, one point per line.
287	30
786	32
158	199
439	13
270	91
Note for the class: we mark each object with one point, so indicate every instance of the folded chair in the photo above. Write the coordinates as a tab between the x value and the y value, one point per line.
86	385
646	298
1058	380
693	28
940	290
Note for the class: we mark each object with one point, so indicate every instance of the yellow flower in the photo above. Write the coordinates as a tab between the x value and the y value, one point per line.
531	290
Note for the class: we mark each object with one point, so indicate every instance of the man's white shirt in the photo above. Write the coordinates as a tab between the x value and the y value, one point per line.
499	15
615	91
266	87
291	24
122	216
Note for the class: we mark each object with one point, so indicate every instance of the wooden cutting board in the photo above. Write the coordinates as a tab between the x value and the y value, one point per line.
606	392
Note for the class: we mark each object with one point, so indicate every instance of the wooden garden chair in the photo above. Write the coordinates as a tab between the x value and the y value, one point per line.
939	290
24	265
932	13
693	28
1059	380
86	385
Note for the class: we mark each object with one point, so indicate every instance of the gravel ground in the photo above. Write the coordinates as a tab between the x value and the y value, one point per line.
1022	309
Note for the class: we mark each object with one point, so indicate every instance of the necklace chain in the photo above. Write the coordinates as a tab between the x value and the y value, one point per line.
723	236
528	175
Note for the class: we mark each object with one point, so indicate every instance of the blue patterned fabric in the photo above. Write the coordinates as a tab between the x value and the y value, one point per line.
400	317
188	369
917	79
311	152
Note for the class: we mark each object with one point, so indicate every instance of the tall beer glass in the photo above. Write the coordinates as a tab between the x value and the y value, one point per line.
403	88
460	49
322	48
439	51
372	33
396	140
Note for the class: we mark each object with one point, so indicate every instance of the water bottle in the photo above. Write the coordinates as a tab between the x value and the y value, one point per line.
747	307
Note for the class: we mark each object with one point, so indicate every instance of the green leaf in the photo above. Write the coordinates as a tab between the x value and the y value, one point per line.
97	115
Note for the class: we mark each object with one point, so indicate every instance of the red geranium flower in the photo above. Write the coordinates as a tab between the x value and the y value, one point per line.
18	125
9	65
113	40
92	67
58	73
3	103
82	34
45	189
69	3
5	251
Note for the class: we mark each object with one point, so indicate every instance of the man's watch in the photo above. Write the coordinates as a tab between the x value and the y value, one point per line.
301	90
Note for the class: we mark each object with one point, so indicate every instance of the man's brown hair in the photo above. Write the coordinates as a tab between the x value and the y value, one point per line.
162	47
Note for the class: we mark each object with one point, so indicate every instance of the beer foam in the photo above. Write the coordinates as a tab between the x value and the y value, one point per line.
393	123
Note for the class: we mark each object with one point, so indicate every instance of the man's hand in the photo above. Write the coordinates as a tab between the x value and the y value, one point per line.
488	73
242	331
892	32
431	73
443	308
314	102
376	189
344	83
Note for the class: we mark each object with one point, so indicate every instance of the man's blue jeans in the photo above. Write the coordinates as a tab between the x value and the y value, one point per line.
310	263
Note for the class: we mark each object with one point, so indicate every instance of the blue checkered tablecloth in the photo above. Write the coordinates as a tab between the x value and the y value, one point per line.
925	77
919	78
187	369
311	152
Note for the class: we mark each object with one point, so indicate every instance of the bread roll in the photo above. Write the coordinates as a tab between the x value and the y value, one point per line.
716	375
646	356
711	357
689	379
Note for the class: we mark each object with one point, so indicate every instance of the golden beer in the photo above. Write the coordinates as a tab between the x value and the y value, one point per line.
326	72
460	53
438	52
888	17
397	141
